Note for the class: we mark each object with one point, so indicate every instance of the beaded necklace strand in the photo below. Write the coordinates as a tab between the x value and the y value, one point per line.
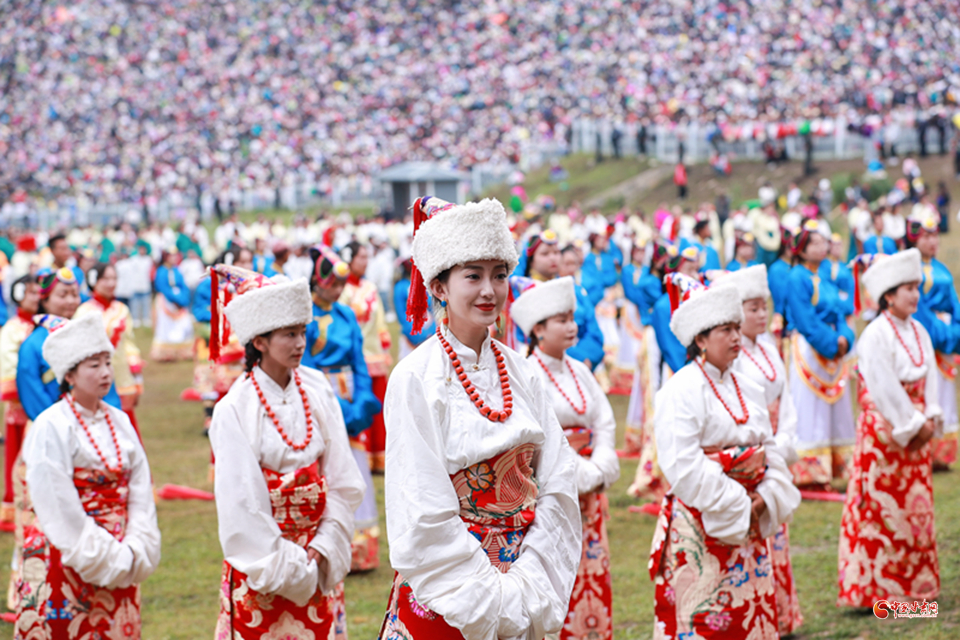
485	411
916	334
772	378
583	399
96	447
743	405
273	416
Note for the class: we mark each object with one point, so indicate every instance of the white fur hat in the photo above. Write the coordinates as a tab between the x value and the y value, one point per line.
540	301
261	304
72	341
703	308
751	282
887	272
455	234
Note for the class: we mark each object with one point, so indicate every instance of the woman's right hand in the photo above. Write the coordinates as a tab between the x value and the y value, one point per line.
923	436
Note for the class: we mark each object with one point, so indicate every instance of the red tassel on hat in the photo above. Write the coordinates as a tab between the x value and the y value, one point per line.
857	295
417	300
673	291
215	314
225	334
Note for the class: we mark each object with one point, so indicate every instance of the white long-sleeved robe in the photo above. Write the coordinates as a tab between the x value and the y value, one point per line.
55	446
778	389
689	418
884	364
602	468
245	441
434	430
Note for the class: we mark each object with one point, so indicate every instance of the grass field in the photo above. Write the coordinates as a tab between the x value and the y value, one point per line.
181	600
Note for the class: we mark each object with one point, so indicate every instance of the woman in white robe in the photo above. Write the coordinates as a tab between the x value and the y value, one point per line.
730	488
545	314
286	484
888	544
481	497
90	529
760	362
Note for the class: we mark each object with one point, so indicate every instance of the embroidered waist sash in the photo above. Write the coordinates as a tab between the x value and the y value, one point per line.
498	499
746	464
580	439
298	500
828	385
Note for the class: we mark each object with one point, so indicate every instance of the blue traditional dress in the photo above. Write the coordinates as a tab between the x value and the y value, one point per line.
408	340
939	313
778	279
736	265
880	244
599	272
819	378
711	259
335	347
173	333
842	278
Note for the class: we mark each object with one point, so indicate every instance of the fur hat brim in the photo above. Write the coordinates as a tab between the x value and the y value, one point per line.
75	341
269	308
888	272
543	301
704	310
750	282
464	233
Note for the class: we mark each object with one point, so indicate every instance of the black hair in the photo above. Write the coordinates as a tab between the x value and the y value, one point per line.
97	270
693	350
54	239
350	251
21	282
65	386
251	355
882	302
533	341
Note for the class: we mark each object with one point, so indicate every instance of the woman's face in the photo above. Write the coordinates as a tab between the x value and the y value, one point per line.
557	333
475	293
284	346
546	260
31	298
332	293
816	249
746	252
721	345
63	300
107	283
928	244
569	263
93	376
903	301
358	266
244	260
689	268
754	318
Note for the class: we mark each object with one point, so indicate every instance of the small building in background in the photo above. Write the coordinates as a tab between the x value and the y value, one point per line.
405	182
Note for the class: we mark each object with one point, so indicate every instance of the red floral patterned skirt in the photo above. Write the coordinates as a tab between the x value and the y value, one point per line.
298	500
54	601
888	545
498	499
706	588
590	615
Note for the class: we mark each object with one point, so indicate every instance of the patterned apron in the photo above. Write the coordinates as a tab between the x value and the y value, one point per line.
498	499
704	586
590	614
888	546
298	500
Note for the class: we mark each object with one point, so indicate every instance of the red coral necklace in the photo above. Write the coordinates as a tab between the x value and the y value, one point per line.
583	399
273	416
485	411
96	447
916	334
743	405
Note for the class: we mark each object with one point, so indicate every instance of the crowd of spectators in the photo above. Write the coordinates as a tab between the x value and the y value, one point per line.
119	101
